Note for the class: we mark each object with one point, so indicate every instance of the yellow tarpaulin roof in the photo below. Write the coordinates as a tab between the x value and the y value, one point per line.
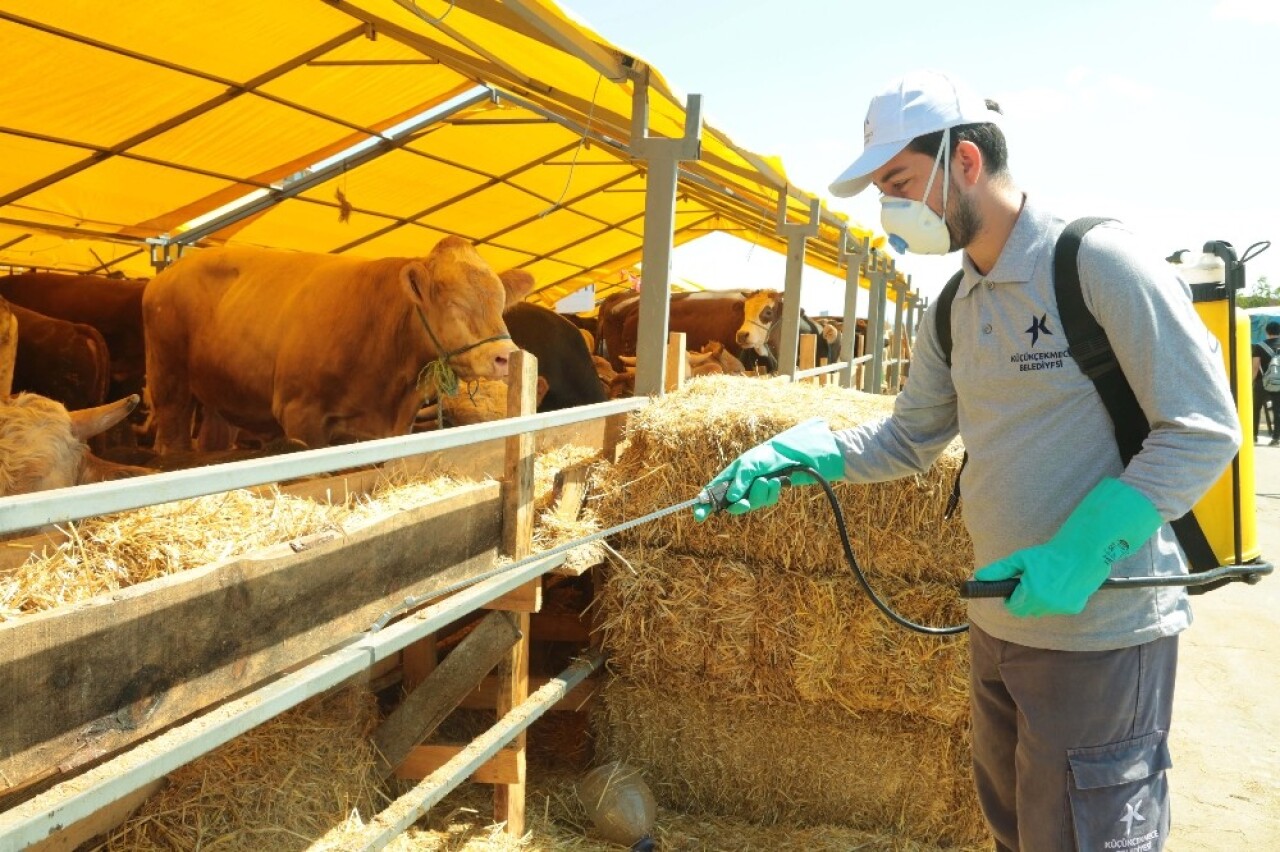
124	121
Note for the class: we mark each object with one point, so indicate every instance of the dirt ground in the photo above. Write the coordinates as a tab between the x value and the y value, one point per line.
1226	721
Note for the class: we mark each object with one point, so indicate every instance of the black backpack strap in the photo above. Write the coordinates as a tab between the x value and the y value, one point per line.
943	320
943	316
1089	347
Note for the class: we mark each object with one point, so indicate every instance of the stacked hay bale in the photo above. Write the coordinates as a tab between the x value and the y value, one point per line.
754	678
280	786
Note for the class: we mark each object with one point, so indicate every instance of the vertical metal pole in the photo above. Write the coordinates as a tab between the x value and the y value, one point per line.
663	157
895	341
873	375
852	283
913	305
655	270
797	234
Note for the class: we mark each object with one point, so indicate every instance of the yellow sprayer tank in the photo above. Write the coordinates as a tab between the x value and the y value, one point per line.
1224	503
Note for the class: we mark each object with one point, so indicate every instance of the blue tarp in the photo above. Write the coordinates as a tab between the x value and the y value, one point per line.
1258	319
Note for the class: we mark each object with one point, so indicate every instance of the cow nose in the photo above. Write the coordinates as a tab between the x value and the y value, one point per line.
742	338
500	365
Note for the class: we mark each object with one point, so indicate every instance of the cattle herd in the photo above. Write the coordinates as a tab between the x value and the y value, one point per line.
241	351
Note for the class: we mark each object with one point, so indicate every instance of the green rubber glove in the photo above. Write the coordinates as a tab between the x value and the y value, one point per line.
750	487
1057	577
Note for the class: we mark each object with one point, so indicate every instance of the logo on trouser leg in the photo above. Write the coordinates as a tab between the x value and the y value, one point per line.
1138	837
1132	815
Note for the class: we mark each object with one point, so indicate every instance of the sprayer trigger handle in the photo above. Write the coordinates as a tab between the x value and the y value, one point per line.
714	495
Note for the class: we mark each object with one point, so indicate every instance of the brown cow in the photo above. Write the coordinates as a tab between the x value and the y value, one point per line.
703	317
712	359
65	361
42	445
111	305
323	348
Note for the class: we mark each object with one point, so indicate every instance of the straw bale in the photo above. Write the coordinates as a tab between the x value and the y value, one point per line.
679	443
761	633
797	765
280	786
550	528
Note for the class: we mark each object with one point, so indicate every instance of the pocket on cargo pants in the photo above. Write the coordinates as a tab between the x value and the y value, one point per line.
1120	796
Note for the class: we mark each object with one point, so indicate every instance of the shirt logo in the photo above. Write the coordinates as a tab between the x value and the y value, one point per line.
1038	328
1131	816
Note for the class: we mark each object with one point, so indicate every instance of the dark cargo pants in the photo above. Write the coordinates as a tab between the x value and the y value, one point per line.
1069	747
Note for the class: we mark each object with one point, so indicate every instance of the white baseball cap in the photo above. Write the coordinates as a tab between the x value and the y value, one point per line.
919	103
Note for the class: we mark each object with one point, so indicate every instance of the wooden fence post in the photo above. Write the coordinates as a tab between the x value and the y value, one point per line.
517	542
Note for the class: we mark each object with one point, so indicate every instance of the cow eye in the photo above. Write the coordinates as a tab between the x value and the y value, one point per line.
766	314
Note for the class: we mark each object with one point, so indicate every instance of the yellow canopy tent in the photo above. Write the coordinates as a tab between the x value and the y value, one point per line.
125	123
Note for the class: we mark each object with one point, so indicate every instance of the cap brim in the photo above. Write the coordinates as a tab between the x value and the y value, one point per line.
858	176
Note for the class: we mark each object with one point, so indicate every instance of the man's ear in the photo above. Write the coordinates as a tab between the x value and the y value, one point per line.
967	165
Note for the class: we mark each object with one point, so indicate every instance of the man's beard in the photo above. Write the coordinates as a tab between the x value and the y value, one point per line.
964	221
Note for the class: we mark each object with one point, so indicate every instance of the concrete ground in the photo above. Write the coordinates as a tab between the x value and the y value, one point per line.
1226	721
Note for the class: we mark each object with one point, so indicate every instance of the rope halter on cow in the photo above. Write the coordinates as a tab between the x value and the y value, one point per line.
437	378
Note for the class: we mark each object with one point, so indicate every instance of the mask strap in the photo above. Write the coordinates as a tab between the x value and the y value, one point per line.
946	167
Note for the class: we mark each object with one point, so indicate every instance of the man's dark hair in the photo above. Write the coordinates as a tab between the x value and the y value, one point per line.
1273	328
988	137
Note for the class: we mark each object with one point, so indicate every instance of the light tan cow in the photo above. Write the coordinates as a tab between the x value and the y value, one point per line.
323	348
43	446
480	403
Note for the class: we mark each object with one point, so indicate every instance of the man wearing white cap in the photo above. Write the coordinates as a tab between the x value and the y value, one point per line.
1071	692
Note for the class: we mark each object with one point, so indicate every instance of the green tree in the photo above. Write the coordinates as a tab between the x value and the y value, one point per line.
1262	294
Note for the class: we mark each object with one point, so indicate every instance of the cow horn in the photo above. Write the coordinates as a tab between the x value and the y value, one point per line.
88	422
697	359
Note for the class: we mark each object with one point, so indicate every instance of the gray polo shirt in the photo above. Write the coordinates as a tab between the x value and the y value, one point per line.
1038	436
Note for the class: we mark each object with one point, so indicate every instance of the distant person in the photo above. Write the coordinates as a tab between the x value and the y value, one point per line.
1071	692
1262	355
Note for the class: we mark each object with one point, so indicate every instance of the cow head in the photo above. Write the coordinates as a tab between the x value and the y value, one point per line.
760	315
482	403
462	300
42	445
832	335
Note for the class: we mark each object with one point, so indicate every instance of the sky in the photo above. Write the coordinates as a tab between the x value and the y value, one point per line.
1164	114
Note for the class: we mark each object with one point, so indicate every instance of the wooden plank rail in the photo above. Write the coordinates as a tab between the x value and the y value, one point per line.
435	698
79	683
404	811
581	697
81	797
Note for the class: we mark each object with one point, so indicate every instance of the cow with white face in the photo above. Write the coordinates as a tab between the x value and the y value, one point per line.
760	316
42	445
761	331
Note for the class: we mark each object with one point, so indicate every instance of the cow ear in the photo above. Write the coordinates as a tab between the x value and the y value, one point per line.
518	283
416	282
